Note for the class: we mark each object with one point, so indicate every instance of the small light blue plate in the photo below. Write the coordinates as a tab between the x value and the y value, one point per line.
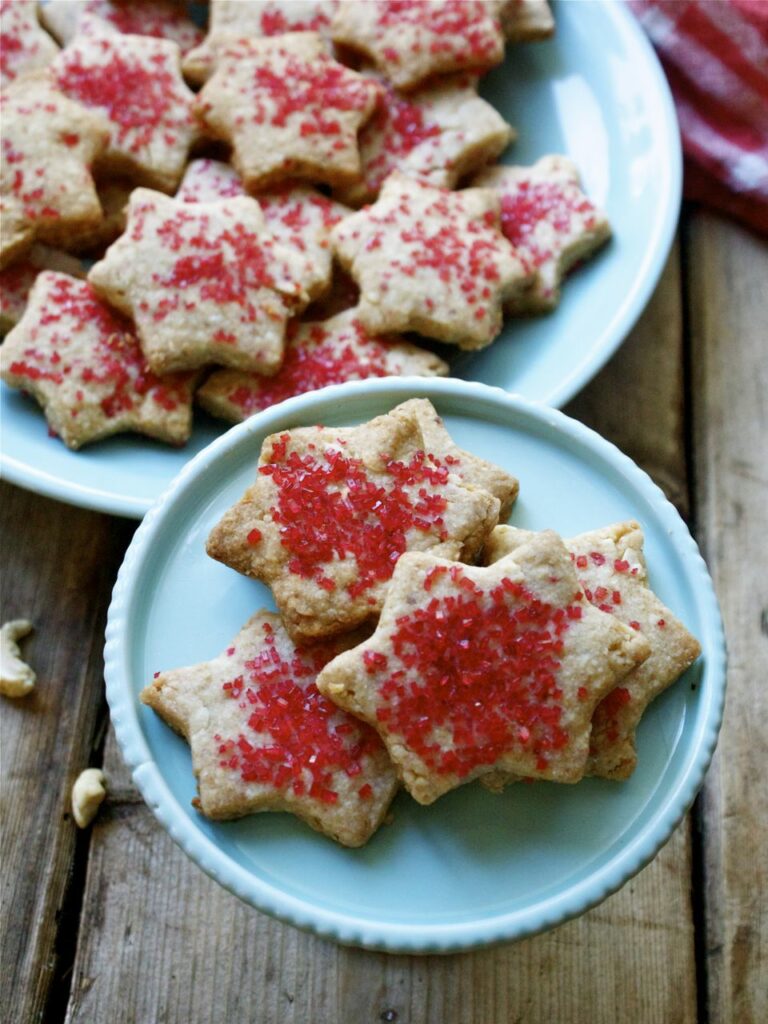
473	868
594	92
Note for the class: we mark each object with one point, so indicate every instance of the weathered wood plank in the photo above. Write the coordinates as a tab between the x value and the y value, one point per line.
728	271
58	570
160	941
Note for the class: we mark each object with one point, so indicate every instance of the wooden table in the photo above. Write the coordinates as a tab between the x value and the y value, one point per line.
114	924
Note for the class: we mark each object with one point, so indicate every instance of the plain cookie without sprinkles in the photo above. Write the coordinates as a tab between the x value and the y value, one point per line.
263	738
472	670
317	355
204	283
82	362
49	144
412	40
135	82
438	134
431	261
549	221
333	509
288	110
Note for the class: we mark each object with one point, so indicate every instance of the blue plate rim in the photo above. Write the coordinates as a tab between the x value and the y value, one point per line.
386	936
667	133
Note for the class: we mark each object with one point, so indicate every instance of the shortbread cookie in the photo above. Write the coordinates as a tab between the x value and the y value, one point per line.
412	40
611	568
288	110
263	738
472	670
549	221
16	280
207	180
83	364
162	19
113	197
135	81
469	468
204	283
333	509
250	19
25	45
317	354
432	261
526	21
49	144
438	134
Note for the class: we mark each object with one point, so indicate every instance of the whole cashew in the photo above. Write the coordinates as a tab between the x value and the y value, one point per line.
87	795
16	676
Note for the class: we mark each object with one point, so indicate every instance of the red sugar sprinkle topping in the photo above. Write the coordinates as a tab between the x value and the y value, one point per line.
528	204
457	30
635	624
294	738
608	710
328	507
143	98
481	666
620	565
160	21
254	536
117	374
661	623
398	125
325	359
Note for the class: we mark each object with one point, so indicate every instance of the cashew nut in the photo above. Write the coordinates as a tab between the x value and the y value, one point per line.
87	795
16	677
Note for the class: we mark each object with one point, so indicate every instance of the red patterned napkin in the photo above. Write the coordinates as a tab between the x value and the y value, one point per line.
715	54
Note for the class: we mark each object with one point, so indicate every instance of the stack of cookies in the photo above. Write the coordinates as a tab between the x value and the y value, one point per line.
232	259
418	642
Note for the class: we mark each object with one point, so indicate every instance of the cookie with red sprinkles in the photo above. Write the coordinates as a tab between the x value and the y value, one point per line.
263	738
430	260
475	670
550	222
288	110
135	82
48	144
439	134
162	19
333	509
26	46
204	283
251	19
611	568
16	280
82	362
317	354
412	40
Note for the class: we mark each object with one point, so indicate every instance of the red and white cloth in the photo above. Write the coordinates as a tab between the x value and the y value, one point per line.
715	54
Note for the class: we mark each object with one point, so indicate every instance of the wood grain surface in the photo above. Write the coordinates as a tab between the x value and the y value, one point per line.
117	925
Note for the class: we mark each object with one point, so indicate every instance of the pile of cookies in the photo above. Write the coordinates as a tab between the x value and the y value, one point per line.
418	642
238	266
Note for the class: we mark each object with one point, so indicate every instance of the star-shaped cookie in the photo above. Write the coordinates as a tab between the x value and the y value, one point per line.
411	40
288	110
135	82
83	364
162	19
250	19
611	568
16	280
439	134
263	738
472	670
317	354
549	221
48	146
431	261
25	45
204	283
297	215
333	509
